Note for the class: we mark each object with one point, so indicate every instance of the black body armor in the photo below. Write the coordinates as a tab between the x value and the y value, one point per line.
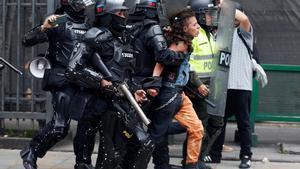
149	40
62	40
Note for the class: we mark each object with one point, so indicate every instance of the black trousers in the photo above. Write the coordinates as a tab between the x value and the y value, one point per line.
238	104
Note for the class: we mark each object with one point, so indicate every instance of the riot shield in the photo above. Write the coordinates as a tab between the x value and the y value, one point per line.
219	79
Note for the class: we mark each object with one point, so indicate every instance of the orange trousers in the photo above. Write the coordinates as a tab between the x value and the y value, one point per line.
188	118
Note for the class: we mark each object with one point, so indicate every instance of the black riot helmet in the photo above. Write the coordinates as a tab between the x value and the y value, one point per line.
206	12
151	4
109	6
62	8
76	8
79	5
105	15
148	8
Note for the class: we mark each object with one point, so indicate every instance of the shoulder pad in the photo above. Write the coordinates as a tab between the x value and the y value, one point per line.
95	36
149	22
154	30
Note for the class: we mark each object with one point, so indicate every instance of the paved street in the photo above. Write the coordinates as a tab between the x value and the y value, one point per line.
279	148
9	159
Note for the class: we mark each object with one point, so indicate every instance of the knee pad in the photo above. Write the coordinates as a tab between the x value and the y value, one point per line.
60	132
61	103
143	155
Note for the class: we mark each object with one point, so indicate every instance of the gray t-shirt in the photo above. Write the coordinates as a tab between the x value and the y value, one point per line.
240	71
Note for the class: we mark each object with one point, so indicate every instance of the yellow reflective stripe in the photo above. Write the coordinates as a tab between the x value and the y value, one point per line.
203	46
202	66
202	57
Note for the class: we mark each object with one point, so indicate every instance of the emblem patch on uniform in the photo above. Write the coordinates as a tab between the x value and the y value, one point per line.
127	55
80	32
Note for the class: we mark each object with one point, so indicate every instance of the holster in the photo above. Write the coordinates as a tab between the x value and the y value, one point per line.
54	78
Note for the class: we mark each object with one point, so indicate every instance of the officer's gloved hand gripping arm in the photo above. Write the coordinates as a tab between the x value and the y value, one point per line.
157	42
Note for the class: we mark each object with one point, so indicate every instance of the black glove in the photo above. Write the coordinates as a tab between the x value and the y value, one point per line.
108	91
151	83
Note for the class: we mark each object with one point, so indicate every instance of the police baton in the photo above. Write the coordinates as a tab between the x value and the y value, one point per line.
211	104
10	66
124	89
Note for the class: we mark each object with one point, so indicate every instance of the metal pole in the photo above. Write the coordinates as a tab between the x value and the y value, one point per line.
18	51
3	55
3	51
50	6
18	57
49	108
33	6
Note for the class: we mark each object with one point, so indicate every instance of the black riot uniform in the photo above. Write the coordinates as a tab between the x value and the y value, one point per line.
106	54
149	40
62	40
151	43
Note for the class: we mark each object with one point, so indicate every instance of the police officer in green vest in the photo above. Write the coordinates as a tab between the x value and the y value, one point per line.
201	61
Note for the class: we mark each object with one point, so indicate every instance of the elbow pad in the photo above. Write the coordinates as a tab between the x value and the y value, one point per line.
156	39
34	37
98	63
95	36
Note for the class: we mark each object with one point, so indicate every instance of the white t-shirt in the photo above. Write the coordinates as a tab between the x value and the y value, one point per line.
240	71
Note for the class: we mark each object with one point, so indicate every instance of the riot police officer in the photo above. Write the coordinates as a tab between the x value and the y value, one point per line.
150	41
201	64
62	39
106	51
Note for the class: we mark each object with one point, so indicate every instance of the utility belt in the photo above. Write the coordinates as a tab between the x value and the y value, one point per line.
174	86
54	78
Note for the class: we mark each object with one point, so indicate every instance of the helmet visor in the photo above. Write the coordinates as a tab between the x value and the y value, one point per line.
79	5
211	16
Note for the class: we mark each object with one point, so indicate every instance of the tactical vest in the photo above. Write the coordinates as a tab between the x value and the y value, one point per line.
201	60
123	63
63	41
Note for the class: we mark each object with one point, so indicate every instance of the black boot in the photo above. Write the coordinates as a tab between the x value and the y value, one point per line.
162	166
83	166
190	166
202	165
29	159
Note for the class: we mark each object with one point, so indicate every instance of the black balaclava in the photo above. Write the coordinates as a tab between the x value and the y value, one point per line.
116	24
76	16
143	13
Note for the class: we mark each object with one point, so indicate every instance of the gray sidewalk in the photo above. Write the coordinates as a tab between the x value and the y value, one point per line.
278	148
9	159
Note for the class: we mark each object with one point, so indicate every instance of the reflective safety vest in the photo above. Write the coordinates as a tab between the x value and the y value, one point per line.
201	59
